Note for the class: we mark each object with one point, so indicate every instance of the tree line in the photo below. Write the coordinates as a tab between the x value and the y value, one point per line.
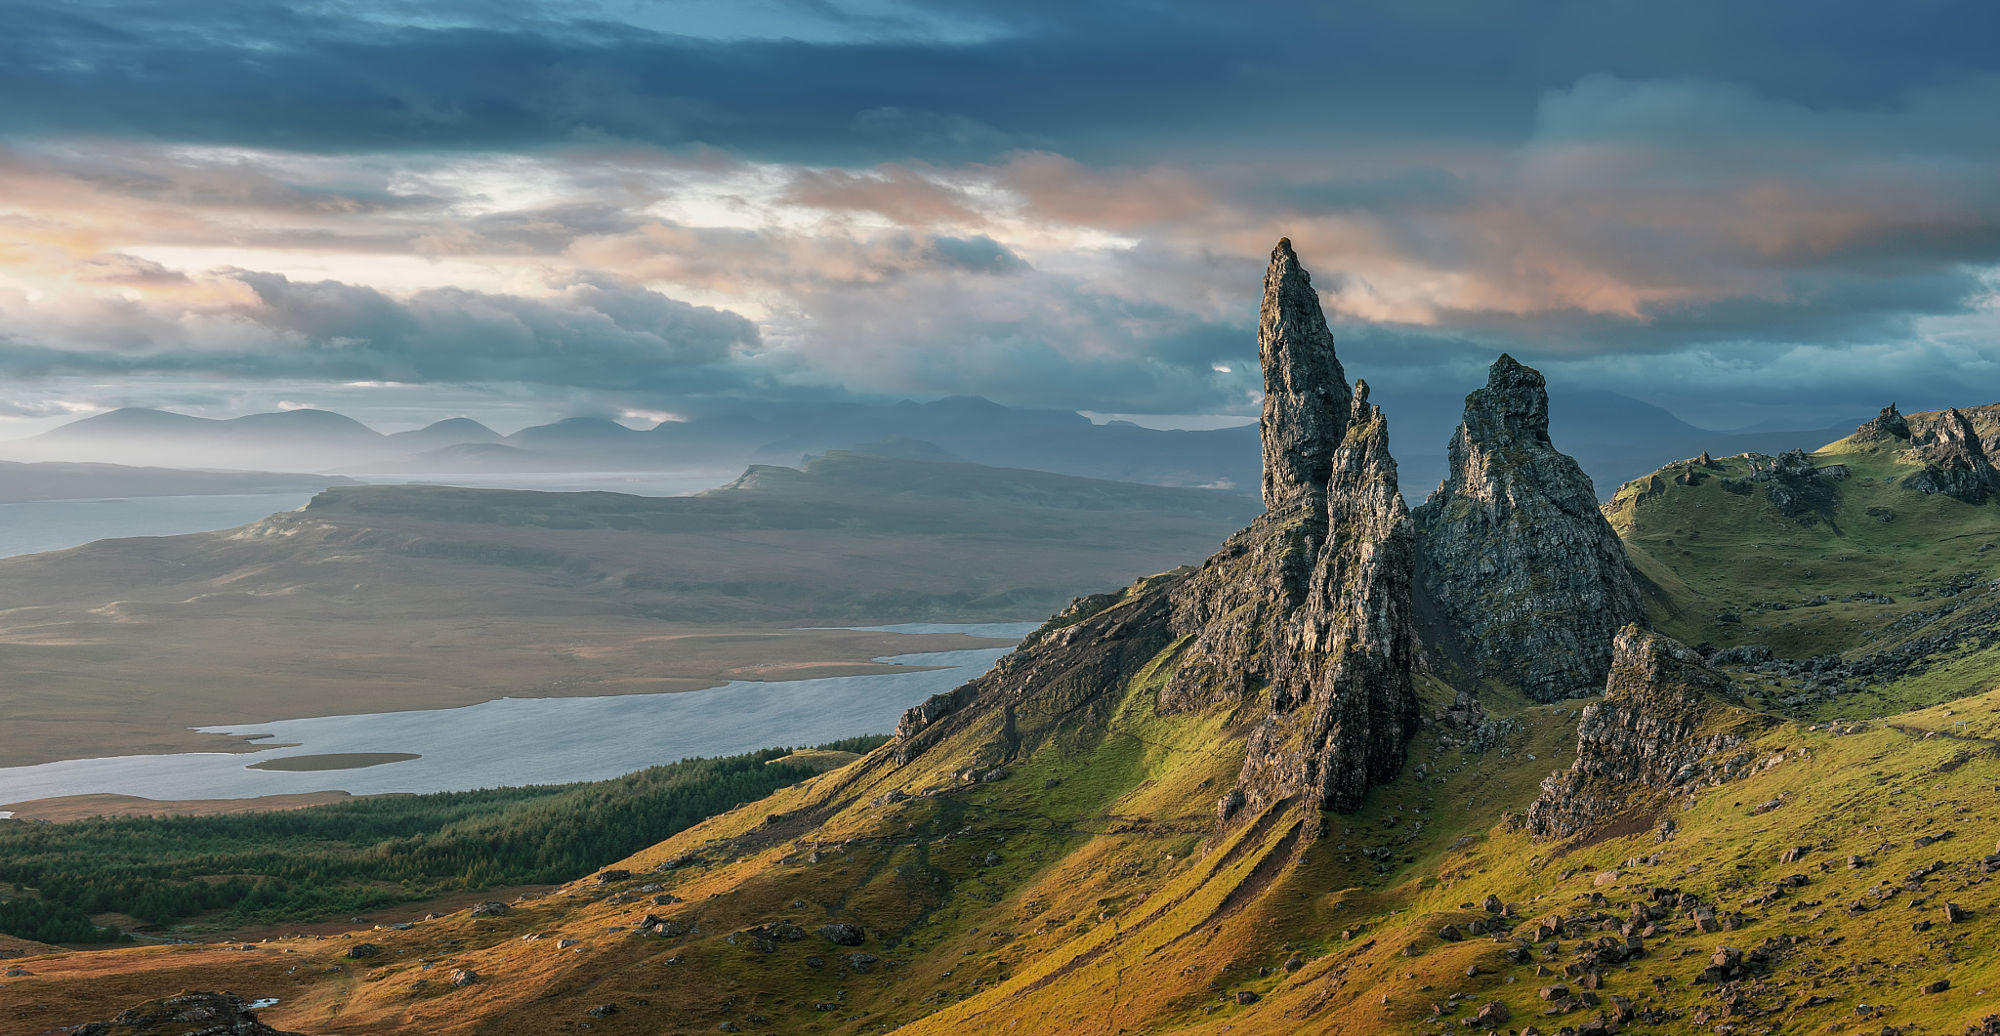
350	857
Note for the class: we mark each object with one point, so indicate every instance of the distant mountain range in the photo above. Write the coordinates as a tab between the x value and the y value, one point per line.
1614	437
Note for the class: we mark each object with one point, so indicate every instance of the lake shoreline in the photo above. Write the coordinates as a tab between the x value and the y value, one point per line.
574	738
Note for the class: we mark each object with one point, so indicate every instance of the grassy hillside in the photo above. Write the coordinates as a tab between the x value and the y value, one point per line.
1898	587
376	598
1843	884
1077	894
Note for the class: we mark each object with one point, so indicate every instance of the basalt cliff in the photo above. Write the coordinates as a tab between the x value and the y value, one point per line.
1301	625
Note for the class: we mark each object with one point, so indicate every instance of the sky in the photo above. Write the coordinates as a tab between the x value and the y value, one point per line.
1779	214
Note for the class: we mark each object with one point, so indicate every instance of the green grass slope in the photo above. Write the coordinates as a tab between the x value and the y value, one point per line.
1897	585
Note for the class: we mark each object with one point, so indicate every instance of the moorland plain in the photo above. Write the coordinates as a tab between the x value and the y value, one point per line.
382	598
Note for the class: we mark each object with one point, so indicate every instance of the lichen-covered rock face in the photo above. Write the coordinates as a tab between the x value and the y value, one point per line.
1528	580
1955	462
1309	607
1668	725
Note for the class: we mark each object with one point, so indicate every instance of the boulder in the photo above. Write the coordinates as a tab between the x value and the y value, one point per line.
842	934
184	1014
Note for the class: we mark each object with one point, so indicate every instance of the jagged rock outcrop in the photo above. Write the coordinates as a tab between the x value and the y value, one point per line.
1309	607
1312	602
1955	462
1238	608
1342	704
185	1014
1528	579
1797	488
1984	419
1667	725
1064	675
1887	426
1947	443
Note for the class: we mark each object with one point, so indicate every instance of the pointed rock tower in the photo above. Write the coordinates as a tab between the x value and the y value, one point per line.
1527	579
1239	606
1311	604
1301	623
1884	427
1306	399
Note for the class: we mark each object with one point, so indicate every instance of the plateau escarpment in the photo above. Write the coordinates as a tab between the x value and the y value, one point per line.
1529	579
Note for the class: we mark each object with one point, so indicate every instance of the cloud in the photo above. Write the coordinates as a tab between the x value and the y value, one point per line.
130	270
585	336
1057	188
764	259
898	194
1046	203
858	84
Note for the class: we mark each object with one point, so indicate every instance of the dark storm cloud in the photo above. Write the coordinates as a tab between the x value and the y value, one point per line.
1049	203
1109	78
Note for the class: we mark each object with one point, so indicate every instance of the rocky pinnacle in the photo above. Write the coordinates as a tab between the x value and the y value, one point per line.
1528	580
1311	604
1306	399
1889	424
1304	620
